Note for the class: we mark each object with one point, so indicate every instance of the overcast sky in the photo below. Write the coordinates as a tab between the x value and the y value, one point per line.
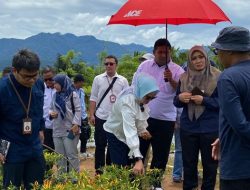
24	18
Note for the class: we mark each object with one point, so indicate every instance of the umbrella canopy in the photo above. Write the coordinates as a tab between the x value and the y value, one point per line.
140	12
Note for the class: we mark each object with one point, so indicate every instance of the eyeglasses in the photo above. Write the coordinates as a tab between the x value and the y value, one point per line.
109	63
28	77
150	97
48	79
215	51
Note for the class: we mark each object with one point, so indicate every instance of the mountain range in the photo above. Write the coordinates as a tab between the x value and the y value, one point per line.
48	46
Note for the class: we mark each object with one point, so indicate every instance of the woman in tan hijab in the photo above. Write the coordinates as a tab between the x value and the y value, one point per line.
197	95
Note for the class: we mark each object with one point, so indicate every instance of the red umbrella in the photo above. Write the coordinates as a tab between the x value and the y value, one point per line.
140	12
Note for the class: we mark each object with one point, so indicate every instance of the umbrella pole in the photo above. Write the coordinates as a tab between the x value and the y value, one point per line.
165	79
166	29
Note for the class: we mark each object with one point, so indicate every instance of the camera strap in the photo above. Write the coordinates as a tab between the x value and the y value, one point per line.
72	104
105	93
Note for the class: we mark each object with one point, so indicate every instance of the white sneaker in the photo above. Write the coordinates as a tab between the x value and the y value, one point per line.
89	155
156	188
83	155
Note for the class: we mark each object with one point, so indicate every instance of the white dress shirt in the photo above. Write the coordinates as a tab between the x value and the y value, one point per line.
100	84
48	94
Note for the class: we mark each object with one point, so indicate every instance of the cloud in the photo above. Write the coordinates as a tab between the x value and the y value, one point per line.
21	19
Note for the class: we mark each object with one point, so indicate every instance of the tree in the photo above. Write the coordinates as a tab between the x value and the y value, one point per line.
178	57
128	65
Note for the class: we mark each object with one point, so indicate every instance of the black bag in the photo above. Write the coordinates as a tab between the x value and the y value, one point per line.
86	129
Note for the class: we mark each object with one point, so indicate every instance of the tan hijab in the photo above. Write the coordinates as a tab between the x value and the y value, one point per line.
205	80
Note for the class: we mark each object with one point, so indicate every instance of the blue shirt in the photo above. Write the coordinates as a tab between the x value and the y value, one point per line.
12	113
81	95
208	122
234	132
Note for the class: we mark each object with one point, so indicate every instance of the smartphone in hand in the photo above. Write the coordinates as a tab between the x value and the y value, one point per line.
71	135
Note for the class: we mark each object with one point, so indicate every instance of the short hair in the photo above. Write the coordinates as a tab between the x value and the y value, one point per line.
162	42
47	69
112	56
78	78
26	59
6	70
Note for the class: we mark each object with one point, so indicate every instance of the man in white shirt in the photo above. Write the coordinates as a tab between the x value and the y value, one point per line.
100	109
48	74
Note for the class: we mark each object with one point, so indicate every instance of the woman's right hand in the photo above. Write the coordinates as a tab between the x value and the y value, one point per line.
185	97
53	114
146	135
138	169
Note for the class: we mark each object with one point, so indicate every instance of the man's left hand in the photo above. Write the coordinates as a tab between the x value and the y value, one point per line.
216	149
41	136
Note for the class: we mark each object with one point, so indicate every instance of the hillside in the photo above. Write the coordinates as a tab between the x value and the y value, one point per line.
48	46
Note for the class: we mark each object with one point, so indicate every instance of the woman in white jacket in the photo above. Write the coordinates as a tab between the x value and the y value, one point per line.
128	120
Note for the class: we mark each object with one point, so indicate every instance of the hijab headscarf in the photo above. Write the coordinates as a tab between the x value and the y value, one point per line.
143	85
66	90
205	80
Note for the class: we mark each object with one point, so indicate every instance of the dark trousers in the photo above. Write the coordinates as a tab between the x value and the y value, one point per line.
27	172
48	138
162	134
239	184
83	145
100	143
191	144
118	151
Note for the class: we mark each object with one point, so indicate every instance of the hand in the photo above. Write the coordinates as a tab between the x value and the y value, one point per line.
176	125
41	136
185	97
92	120
75	129
53	114
197	99
2	158
168	75
138	169
146	135
216	149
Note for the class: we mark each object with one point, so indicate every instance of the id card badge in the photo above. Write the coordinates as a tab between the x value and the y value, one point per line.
112	98
27	129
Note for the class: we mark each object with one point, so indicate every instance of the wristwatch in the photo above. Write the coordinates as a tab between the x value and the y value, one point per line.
138	158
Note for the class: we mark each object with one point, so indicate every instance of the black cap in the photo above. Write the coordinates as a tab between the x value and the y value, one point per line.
78	78
233	38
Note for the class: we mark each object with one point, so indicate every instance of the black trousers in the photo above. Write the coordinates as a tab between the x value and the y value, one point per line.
25	172
48	138
162	134
101	144
240	184
83	147
191	144
118	151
